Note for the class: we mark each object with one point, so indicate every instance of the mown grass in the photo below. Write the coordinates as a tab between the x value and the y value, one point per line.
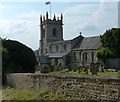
102	74
63	73
23	94
106	74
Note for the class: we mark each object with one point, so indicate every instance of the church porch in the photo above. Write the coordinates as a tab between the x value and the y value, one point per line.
58	58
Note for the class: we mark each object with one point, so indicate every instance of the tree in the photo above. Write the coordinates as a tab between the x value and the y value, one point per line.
5	57
19	57
111	40
103	54
5	66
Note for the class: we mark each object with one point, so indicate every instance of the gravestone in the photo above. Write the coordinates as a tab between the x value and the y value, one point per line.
94	68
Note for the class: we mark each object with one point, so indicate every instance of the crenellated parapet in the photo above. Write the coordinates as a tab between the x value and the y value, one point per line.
46	18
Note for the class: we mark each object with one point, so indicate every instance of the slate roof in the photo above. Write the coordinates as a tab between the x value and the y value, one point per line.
88	43
43	59
56	55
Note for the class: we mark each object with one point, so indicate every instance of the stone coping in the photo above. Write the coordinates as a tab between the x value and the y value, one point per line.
90	77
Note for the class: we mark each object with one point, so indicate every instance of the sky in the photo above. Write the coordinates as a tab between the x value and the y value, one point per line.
19	20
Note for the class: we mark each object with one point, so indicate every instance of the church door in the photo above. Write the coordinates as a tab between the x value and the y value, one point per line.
68	60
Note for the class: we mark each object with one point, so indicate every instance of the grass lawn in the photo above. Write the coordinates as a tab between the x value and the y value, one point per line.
104	74
109	74
22	94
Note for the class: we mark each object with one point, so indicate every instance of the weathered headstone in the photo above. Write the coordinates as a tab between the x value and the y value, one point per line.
94	68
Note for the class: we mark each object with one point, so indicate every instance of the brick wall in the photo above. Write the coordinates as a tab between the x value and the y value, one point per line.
90	87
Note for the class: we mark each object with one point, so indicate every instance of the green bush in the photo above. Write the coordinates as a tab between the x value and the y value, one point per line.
45	69
74	67
104	53
83	71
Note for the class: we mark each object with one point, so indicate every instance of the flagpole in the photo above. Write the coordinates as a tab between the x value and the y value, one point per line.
50	9
49	3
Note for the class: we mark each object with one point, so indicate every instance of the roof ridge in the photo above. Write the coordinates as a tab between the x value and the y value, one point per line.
92	37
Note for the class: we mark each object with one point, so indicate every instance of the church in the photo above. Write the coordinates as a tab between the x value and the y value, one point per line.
54	50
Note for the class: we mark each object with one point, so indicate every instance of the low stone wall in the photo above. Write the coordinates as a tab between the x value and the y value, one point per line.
83	87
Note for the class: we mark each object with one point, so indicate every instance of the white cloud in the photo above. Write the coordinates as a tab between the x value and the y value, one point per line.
24	31
1	9
32	14
90	19
80	9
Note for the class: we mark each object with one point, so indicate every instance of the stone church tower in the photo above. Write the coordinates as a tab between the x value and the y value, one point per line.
51	30
79	51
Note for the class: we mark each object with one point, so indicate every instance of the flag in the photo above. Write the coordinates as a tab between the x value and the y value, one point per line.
47	2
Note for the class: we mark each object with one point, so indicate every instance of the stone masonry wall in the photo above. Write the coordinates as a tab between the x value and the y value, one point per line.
90	87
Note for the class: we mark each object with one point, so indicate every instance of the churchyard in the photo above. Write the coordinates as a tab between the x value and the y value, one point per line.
74	81
56	86
85	70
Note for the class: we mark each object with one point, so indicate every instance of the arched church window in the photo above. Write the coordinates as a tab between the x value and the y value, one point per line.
83	57
86	56
92	56
80	56
54	32
56	61
74	56
64	47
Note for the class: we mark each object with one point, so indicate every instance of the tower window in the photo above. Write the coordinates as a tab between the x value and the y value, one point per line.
43	26
50	47
43	33
56	48
54	32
